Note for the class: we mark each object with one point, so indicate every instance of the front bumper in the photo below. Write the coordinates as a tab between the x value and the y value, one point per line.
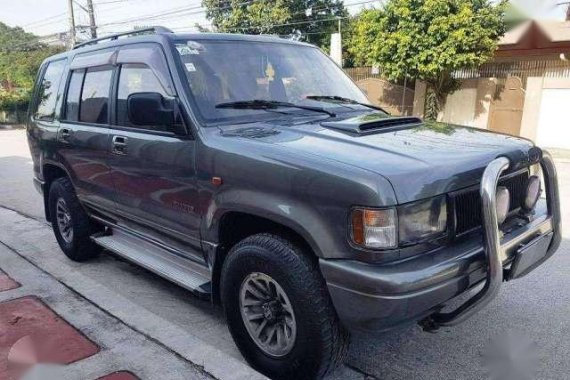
375	298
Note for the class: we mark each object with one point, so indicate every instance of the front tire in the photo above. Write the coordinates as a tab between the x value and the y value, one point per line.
279	311
70	223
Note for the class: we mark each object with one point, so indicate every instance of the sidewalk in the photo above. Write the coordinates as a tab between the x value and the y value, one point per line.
46	324
560	155
59	324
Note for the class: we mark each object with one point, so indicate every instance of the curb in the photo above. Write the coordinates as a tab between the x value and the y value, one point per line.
30	235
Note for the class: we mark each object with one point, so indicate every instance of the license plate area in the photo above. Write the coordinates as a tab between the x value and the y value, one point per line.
527	256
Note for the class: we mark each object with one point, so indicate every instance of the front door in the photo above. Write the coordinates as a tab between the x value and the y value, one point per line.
153	169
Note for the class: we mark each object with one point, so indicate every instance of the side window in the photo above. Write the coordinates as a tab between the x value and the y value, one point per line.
135	78
94	106
74	96
47	94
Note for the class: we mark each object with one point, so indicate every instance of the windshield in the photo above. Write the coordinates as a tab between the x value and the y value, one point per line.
230	71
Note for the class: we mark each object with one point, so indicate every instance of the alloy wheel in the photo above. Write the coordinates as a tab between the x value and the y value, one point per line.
267	314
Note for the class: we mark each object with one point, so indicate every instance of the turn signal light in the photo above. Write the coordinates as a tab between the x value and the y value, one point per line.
374	228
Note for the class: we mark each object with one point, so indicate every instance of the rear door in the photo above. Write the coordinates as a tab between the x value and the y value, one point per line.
84	130
153	169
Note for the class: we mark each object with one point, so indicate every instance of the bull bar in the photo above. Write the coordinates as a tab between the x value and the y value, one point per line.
545	231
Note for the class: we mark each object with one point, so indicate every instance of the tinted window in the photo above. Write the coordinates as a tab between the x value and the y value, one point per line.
47	95
95	96
133	79
73	96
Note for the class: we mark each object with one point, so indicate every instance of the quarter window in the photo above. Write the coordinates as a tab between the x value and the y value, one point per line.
47	94
135	78
74	96
94	107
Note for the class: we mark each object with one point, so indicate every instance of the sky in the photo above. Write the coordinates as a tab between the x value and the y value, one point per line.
44	17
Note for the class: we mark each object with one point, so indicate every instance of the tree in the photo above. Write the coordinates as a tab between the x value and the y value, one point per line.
21	55
429	40
282	17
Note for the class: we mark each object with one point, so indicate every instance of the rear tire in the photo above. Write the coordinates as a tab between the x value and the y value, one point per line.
319	343
70	223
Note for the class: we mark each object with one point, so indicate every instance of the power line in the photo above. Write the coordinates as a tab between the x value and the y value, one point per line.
186	11
44	20
62	16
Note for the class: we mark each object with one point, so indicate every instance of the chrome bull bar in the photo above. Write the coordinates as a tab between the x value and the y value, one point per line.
496	248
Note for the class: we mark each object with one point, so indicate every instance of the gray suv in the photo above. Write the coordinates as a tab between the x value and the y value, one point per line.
253	172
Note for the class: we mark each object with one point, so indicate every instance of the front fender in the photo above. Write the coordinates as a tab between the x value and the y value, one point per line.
280	209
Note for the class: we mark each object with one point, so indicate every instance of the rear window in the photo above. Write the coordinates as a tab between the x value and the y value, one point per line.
47	94
94	107
74	96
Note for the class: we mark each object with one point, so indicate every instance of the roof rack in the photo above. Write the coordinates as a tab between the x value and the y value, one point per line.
113	37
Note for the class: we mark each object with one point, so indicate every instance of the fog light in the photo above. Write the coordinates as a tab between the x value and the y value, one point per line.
533	191
503	203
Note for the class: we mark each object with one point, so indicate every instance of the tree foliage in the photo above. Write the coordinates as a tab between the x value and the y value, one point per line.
428	40
282	17
20	58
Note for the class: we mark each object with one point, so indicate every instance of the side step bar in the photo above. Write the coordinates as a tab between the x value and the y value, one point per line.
181	271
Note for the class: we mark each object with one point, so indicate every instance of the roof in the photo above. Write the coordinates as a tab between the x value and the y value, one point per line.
161	34
514	35
536	38
235	37
554	31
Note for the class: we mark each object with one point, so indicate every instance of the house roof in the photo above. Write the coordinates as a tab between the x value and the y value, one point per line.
514	35
555	31
536	38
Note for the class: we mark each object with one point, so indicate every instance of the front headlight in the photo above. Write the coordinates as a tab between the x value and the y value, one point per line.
422	220
414	222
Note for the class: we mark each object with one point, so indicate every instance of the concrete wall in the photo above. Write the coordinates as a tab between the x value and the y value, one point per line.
389	96
503	105
469	105
419	106
460	107
531	110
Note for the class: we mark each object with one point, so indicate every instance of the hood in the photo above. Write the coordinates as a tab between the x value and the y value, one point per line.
420	159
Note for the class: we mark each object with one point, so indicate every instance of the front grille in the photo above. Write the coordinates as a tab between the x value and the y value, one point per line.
468	203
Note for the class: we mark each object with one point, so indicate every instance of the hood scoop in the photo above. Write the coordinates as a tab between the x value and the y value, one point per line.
368	124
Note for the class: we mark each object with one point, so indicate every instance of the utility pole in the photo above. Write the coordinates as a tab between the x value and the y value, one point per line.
72	38
92	24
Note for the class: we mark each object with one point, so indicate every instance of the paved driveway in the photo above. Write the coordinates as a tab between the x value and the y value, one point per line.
531	316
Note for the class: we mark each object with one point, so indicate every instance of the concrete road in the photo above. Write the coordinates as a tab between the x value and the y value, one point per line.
528	321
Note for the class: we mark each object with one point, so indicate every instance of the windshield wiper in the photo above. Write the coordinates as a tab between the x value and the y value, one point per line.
340	99
259	104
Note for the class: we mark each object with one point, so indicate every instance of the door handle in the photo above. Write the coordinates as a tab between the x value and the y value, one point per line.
120	145
64	134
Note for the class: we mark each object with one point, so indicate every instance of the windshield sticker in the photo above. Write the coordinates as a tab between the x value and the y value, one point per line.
184	49
270	72
195	47
190	67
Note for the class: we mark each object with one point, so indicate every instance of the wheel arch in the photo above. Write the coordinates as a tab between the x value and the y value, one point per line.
235	226
50	172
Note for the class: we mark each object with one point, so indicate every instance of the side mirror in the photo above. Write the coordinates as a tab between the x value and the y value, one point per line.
151	108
